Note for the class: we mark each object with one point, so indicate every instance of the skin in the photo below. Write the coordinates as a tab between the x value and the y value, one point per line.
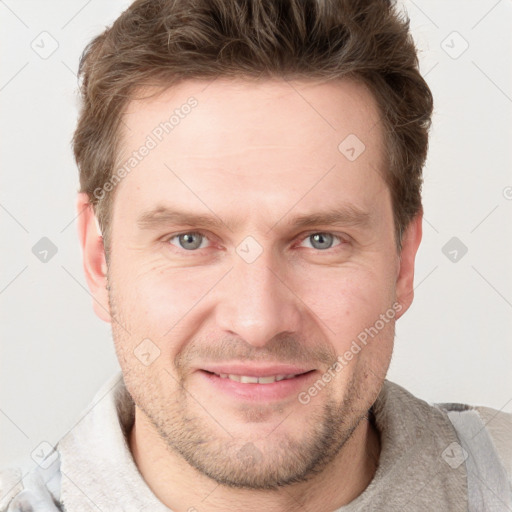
254	156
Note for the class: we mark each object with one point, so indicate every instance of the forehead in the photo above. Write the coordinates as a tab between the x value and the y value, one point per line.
292	109
255	146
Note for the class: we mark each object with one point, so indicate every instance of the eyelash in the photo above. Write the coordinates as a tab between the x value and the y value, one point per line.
342	240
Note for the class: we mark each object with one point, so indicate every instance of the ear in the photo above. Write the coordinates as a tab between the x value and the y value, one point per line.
405	279
94	261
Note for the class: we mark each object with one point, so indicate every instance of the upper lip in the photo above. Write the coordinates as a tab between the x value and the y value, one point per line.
254	370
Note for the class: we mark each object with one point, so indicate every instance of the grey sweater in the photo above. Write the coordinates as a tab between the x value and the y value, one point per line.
424	462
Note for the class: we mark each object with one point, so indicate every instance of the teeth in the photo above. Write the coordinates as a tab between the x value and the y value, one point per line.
267	380
247	379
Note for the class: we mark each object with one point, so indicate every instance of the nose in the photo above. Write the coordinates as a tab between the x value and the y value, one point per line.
256	302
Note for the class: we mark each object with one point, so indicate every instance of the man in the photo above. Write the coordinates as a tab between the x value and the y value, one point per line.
249	215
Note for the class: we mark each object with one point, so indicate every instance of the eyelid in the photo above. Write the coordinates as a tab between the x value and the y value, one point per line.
168	238
342	237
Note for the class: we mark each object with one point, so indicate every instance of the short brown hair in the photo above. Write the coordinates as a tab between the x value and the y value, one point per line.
163	42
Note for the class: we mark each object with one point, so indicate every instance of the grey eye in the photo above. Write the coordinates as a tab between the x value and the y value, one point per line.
189	241
321	241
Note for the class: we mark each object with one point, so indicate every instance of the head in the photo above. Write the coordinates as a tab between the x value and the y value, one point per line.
292	135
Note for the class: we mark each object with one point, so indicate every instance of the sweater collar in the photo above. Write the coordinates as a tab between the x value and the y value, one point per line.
98	470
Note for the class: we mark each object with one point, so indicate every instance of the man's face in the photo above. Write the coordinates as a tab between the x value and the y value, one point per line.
252	291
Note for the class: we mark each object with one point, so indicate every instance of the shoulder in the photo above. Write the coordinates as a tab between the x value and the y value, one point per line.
34	489
488	427
10	485
483	427
499	426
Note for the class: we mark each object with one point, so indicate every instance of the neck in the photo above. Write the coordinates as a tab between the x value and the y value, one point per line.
180	487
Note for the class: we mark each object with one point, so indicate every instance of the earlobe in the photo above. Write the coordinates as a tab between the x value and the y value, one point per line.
93	253
405	280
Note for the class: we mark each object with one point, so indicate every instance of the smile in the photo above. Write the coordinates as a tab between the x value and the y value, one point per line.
247	379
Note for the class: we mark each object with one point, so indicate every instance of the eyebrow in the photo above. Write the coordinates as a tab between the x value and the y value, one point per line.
347	215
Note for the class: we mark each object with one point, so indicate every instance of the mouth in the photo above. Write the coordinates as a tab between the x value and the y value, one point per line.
253	379
258	388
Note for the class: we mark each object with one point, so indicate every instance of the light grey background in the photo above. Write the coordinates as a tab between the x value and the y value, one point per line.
453	345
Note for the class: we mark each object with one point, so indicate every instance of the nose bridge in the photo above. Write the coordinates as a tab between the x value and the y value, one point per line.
256	304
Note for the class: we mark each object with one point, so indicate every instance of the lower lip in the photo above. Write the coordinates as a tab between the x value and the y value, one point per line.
275	391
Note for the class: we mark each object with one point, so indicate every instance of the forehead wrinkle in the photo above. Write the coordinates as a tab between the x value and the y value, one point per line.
346	215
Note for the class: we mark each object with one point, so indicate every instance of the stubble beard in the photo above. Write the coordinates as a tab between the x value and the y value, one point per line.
267	463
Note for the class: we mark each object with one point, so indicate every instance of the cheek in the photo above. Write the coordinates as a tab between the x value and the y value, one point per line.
159	299
163	303
348	300
157	306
